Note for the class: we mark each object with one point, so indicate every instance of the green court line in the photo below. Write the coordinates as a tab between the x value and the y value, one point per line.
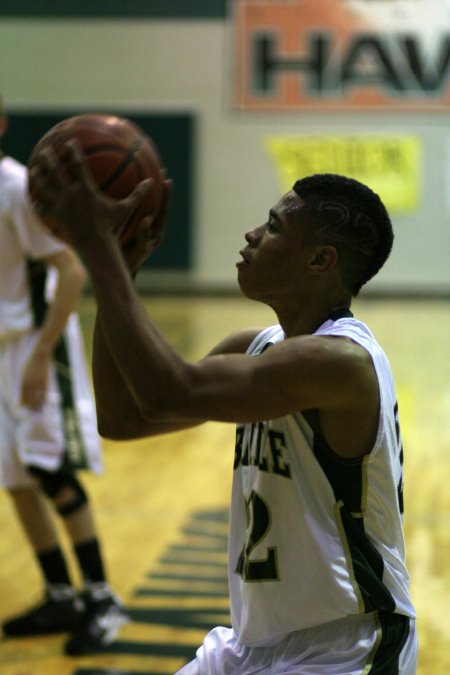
202	618
184	577
194	618
187	593
178	560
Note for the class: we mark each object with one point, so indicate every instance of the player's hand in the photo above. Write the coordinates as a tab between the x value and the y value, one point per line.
150	232
69	196
34	383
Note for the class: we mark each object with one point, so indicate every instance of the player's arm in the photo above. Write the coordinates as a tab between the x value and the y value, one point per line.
71	279
118	414
301	373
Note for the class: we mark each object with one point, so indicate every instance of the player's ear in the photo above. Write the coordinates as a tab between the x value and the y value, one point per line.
323	258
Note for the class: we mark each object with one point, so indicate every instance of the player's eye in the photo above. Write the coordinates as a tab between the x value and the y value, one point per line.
271	225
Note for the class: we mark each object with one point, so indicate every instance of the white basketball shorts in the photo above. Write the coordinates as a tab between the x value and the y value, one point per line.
64	430
356	645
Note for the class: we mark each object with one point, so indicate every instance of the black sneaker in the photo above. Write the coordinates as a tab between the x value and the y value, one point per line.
60	612
102	621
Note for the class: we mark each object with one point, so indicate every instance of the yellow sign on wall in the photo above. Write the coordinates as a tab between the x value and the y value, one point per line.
388	165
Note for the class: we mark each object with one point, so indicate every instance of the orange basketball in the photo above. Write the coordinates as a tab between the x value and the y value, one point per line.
119	154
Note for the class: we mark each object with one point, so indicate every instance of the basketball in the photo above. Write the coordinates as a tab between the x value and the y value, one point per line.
119	155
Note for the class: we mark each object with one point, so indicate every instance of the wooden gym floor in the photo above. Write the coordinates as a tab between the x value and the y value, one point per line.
161	505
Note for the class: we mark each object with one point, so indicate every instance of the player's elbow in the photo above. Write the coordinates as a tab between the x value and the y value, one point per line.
172	399
115	427
166	407
108	431
160	409
119	432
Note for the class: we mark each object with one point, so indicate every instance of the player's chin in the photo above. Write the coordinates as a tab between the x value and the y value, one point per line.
240	274
244	281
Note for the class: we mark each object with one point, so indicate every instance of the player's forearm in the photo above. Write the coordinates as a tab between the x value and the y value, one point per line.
71	279
145	364
118	416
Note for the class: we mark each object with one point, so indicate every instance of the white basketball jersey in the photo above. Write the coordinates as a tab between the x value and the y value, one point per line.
315	537
22	236
66	425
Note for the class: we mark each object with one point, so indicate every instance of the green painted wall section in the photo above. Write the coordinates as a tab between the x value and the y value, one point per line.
156	9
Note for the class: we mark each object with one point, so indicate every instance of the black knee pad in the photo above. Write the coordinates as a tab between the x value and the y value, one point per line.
53	481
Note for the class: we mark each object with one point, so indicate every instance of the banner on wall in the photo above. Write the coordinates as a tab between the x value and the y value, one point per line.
388	165
342	55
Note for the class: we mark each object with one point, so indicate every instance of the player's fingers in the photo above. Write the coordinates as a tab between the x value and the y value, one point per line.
46	171
79	167
140	192
42	187
141	246
145	229
160	219
148	236
166	194
130	206
45	192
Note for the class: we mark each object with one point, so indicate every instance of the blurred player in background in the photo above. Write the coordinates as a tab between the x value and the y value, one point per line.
48	421
317	574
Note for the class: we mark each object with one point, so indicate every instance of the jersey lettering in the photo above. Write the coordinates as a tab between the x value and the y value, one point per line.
277	444
258	525
263	449
260	462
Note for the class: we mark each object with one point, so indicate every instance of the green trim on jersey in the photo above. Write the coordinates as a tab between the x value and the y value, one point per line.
394	631
37	277
75	455
367	564
348	479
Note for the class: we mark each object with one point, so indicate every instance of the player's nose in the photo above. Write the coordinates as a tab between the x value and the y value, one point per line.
252	236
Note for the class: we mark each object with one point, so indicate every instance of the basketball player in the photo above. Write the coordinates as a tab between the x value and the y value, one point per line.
317	572
47	421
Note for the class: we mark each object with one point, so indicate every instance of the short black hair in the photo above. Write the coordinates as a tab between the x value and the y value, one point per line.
348	215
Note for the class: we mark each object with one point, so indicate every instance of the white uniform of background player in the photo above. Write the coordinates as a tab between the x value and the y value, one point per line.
318	582
37	437
43	441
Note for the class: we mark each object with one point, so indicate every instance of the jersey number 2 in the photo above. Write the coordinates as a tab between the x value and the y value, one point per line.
258	523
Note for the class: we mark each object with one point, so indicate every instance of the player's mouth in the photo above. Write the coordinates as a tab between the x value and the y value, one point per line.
245	259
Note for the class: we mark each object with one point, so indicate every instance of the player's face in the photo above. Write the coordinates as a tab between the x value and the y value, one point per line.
274	262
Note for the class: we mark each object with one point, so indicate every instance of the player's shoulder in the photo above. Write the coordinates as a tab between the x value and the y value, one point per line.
327	353
13	176
237	342
11	168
